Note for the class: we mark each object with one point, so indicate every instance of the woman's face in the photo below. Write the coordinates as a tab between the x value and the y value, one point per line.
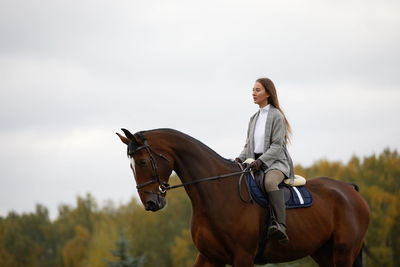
260	95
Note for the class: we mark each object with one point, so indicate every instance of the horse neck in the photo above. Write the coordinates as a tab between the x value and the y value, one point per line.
194	161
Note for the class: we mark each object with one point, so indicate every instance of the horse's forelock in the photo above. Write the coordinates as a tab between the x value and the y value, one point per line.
131	148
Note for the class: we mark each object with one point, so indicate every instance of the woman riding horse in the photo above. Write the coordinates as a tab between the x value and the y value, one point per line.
226	229
267	136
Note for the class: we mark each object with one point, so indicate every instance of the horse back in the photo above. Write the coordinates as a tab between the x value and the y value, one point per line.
334	192
340	200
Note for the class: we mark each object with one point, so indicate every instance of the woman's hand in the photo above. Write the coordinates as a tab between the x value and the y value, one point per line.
256	165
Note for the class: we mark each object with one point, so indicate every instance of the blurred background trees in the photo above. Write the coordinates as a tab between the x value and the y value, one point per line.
86	235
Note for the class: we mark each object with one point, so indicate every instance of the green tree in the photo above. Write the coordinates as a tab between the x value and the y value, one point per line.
84	216
183	252
123	258
28	239
105	231
74	250
7	259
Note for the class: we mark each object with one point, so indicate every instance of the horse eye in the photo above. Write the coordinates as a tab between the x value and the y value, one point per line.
142	162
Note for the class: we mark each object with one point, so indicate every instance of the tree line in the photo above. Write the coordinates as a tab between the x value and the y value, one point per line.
89	235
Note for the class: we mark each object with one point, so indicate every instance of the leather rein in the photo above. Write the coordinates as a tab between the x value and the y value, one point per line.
163	187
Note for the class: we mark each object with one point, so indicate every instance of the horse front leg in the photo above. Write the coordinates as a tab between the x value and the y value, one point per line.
202	261
243	260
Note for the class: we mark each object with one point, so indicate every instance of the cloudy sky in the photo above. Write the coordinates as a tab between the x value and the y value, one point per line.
72	73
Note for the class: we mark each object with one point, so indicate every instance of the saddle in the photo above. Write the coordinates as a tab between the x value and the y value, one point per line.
296	194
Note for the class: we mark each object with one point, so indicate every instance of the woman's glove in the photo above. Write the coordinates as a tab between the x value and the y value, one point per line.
238	160
256	165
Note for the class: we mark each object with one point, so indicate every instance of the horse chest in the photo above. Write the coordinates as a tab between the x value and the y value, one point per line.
209	239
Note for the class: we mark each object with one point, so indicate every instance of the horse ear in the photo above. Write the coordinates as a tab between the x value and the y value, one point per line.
129	137
128	134
123	139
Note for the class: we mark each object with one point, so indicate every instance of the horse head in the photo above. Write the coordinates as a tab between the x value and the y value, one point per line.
151	166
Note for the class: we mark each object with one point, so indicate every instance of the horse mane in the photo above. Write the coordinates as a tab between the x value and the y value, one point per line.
192	139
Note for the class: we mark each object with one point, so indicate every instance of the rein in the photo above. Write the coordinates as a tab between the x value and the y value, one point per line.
218	177
164	187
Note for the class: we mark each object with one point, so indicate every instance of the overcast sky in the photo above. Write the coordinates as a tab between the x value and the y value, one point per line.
72	73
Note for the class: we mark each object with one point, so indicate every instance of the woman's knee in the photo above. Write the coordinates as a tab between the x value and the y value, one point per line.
270	185
272	179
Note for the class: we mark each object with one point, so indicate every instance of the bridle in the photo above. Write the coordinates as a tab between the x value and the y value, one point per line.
163	187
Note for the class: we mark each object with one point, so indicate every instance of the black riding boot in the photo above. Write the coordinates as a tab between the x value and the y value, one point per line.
278	227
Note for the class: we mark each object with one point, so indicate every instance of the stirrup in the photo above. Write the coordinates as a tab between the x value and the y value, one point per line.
273	227
278	231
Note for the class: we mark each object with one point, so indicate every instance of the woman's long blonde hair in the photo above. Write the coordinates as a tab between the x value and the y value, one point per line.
273	100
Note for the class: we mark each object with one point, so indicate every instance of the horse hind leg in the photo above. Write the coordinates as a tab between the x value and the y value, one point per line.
346	250
202	261
345	253
343	257
243	259
324	256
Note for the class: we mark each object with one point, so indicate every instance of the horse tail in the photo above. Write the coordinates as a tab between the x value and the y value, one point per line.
355	187
358	260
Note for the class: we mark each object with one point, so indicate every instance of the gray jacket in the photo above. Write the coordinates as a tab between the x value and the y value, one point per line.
276	155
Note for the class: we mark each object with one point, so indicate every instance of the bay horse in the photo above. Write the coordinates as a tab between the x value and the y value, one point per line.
225	229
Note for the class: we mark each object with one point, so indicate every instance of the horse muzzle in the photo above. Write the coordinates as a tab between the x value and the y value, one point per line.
155	203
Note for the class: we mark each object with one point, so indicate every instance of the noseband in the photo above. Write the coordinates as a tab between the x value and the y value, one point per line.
162	186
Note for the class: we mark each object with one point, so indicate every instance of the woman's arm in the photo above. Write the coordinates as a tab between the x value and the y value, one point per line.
243	154
278	141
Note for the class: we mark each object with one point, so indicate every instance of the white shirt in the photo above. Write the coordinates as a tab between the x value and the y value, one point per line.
259	131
